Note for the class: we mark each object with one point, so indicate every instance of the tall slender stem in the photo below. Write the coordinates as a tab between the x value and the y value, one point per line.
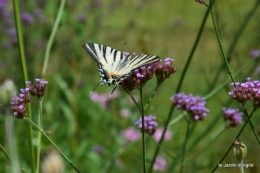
54	30
143	127
25	75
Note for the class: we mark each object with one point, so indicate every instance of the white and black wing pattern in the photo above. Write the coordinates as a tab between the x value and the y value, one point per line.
103	54
113	65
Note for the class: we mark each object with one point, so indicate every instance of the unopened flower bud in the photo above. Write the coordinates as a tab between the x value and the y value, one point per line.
240	150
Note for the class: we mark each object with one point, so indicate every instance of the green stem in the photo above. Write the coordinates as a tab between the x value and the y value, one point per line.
241	167
5	153
39	136
25	75
220	42
136	103
235	41
251	124
147	104
143	131
53	33
52	143
184	146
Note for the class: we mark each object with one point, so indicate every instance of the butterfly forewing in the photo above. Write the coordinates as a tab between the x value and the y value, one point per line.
103	54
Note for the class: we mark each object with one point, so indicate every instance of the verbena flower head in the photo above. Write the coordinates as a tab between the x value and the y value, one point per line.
194	105
38	89
160	164
232	116
250	90
19	103
140	76
150	124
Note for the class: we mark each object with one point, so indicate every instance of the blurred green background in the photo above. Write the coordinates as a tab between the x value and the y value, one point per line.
163	28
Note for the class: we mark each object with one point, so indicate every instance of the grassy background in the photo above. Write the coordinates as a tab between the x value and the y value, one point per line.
163	28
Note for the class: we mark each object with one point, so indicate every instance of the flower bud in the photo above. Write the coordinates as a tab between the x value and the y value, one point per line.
240	150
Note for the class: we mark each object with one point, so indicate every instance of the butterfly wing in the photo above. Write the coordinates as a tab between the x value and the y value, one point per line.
142	60
103	54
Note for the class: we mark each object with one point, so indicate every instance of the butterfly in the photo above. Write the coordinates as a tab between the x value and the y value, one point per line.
113	65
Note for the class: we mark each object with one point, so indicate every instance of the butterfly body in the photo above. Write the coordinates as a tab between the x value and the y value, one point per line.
113	65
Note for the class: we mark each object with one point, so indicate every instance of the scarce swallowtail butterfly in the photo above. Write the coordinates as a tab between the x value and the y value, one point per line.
113	65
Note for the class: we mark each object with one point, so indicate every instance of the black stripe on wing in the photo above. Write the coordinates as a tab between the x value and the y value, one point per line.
142	60
101	53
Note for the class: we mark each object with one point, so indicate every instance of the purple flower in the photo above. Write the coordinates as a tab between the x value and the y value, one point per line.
160	164
38	89
254	53
194	105
250	90
131	134
233	116
19	103
141	75
158	134
27	18
150	124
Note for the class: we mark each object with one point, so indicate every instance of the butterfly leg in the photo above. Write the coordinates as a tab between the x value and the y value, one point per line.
97	86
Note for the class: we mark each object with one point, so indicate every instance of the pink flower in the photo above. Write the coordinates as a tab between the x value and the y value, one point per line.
158	134
160	164
103	99
131	134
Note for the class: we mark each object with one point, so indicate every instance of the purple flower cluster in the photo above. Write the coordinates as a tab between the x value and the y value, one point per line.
150	124
233	116
19	103
38	89
194	105
141	75
250	90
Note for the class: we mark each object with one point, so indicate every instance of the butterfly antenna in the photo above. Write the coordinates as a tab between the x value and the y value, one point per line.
96	86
